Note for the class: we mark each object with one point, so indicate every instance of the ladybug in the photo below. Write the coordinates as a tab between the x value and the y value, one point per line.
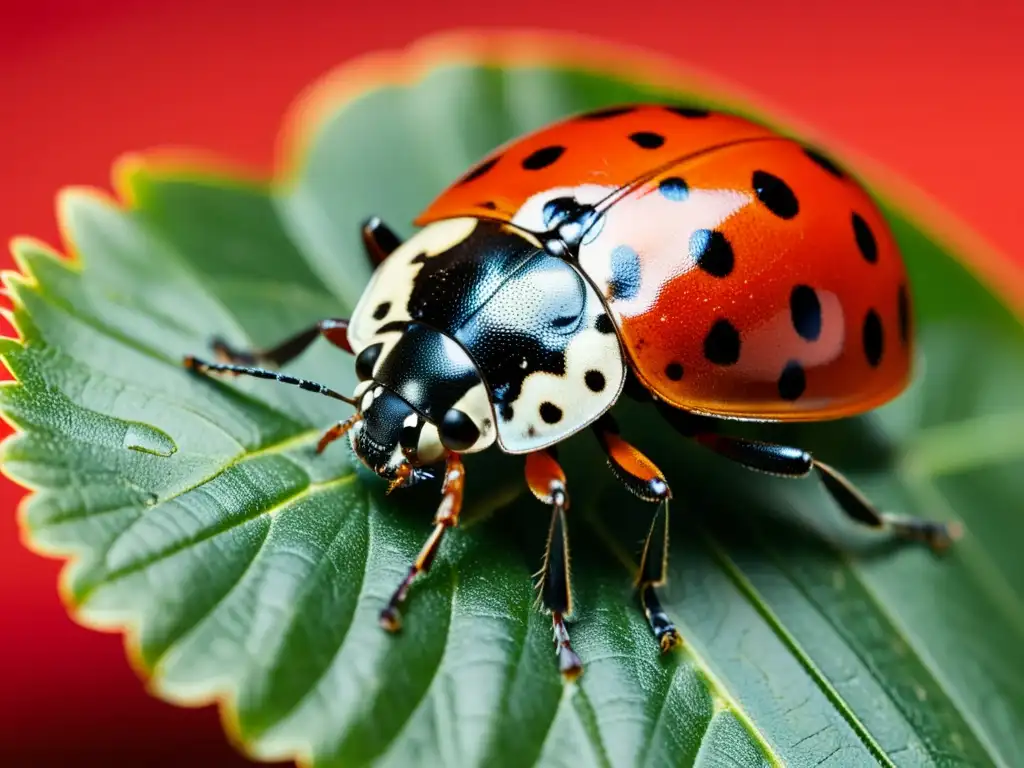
693	259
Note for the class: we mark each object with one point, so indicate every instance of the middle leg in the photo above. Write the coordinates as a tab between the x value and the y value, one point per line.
546	480
645	480
335	330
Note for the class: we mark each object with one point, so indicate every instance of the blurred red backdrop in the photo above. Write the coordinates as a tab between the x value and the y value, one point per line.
934	95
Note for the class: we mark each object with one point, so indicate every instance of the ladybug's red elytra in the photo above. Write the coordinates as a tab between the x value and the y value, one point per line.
691	258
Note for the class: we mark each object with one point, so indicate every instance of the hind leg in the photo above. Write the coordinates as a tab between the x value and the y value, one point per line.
793	462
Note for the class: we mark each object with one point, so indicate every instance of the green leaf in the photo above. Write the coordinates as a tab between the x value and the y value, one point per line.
244	568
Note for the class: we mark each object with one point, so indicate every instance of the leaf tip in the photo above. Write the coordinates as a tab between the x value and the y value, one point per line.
126	174
20	248
71	201
74	197
219	694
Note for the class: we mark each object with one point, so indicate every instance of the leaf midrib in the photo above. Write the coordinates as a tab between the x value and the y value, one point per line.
993	752
753	597
979	734
719	692
760	606
963	712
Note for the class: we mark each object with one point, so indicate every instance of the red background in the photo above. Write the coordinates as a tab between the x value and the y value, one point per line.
931	90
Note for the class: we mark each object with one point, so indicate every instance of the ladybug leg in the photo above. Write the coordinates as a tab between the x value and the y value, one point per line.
546	480
938	536
335	330
447	516
337	432
379	240
645	480
794	462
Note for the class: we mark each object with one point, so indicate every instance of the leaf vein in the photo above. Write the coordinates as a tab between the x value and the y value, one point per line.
425	694
716	686
747	589
922	657
217	530
646	754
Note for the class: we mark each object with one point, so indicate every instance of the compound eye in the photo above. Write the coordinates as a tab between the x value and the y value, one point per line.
457	431
366	360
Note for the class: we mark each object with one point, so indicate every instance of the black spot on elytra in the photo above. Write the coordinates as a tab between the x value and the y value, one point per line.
480	170
792	381
873	338
712	252
625	281
604	324
488	205
903	307
542	158
594	380
824	162
607	112
722	344
647	139
805	312
674	371
866	242
382	310
674	188
550	413
685	111
775	194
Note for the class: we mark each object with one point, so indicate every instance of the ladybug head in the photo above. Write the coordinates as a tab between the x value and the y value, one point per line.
393	440
420	397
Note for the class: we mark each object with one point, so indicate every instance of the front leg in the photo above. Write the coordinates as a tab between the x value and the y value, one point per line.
546	480
447	516
794	462
645	480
